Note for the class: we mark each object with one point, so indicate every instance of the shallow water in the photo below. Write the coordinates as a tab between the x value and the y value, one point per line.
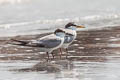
82	70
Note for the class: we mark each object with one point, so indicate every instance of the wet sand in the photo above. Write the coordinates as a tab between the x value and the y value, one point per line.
92	45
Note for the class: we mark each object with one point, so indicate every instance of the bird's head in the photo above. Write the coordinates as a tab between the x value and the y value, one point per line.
73	26
59	32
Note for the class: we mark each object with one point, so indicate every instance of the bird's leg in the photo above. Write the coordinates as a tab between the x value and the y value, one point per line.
48	56
60	52
66	52
53	55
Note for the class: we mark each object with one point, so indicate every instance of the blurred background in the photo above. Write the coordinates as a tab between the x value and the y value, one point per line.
21	17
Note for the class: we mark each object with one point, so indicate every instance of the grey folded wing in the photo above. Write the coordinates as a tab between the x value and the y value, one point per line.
47	43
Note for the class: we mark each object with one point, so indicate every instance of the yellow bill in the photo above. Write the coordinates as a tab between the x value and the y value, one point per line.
80	26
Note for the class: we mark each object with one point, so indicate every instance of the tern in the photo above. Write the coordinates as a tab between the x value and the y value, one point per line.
47	43
70	30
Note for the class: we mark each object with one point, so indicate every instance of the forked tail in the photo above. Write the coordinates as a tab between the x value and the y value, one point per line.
23	43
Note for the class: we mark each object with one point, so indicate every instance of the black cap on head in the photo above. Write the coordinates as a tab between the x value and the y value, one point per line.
70	24
59	30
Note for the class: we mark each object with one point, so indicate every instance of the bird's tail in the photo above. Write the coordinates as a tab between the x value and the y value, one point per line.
22	43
